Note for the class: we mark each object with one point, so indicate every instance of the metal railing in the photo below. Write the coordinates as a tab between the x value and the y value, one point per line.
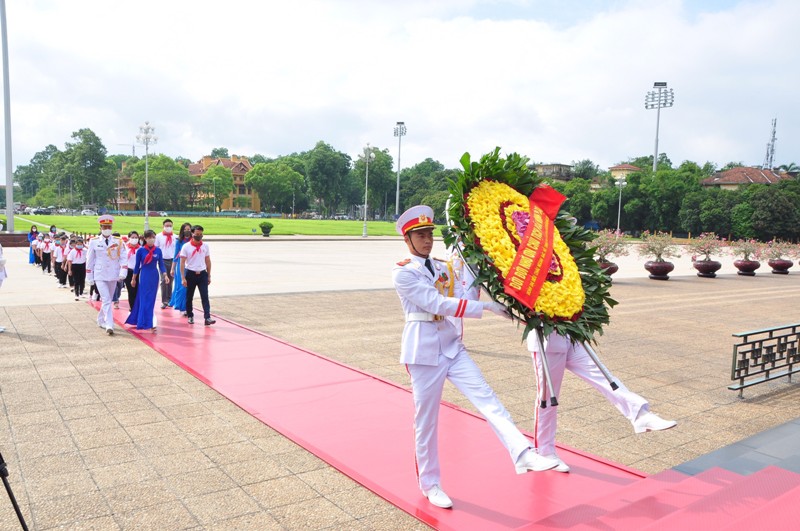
763	355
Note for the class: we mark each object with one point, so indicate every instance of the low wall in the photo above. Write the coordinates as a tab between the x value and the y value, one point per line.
14	239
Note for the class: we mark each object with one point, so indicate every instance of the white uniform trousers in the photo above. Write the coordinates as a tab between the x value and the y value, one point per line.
106	289
427	382
561	354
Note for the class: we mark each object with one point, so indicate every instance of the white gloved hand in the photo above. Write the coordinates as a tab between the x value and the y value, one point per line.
497	309
90	282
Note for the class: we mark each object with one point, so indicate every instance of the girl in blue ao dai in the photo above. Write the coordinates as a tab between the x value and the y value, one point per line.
178	300
149	262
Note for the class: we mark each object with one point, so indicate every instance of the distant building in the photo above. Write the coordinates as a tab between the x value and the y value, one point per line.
242	197
559	172
623	170
734	178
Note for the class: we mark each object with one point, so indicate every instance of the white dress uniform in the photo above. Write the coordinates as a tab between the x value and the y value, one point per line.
563	354
433	351
103	262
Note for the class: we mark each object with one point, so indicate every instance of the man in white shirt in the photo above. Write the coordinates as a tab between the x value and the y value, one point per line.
196	273
166	242
102	269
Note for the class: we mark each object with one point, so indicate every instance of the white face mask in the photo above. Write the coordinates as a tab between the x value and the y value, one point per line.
151	241
167	230
134	241
106	232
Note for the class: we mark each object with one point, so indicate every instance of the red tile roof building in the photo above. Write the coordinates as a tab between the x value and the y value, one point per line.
242	197
735	177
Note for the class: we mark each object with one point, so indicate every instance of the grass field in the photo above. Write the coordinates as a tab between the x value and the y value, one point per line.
241	226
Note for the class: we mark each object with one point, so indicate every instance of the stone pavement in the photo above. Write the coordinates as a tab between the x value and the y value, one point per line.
104	433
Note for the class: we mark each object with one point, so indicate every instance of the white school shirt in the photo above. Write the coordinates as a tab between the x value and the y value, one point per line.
129	257
195	261
75	259
59	254
46	247
167	251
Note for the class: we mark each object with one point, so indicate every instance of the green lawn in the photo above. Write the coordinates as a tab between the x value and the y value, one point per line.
125	224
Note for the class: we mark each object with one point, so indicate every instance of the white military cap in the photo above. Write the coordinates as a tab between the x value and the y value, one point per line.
415	218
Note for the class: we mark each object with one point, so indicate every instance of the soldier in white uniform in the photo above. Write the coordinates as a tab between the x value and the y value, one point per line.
102	268
563	354
432	351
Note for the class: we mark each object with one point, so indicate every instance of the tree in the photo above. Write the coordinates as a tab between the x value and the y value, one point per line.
258	159
93	175
585	169
326	170
775	213
382	180
220	153
169	184
276	184
32	176
217	183
579	198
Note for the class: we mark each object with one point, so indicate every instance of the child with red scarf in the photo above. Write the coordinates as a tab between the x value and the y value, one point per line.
166	242
76	267
149	262
196	273
129	264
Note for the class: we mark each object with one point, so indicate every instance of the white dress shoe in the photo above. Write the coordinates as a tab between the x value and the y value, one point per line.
651	422
561	466
531	461
437	497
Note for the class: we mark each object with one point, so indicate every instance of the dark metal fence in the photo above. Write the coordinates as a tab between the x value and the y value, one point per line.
763	355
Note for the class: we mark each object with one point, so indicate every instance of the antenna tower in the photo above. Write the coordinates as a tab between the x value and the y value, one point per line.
770	148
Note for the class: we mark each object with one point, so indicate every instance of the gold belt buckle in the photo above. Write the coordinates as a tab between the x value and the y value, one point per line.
438	317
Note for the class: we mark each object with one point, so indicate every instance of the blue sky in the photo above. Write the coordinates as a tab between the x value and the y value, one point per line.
557	81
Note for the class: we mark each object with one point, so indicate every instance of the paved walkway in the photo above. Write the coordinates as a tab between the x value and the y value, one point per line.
103	433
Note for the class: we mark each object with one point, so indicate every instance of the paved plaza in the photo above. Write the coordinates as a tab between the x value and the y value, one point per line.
104	433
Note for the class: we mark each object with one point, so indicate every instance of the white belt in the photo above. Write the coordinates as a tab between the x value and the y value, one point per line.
422	316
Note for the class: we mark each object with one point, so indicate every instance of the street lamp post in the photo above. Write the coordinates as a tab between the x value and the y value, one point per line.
146	137
656	100
368	154
621	184
7	122
214	182
399	132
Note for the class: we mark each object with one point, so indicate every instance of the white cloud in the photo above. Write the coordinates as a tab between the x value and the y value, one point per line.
558	81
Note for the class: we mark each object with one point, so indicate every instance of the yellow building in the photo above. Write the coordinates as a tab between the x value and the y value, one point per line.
241	198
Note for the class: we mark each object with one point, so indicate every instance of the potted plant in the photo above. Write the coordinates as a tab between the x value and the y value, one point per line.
776	252
266	228
706	244
659	245
750	252
606	243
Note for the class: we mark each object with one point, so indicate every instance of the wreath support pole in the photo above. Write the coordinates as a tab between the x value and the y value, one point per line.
546	368
596	360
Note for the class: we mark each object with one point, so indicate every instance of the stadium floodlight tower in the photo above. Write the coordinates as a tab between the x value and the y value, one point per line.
657	99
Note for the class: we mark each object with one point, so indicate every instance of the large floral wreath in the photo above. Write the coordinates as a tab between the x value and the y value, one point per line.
524	250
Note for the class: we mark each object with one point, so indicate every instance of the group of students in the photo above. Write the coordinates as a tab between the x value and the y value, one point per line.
62	255
138	263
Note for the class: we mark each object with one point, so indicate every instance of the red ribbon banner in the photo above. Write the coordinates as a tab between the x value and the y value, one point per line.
532	262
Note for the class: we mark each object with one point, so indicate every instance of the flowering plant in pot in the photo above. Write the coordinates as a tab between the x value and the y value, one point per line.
706	244
750	252
777	252
607	243
659	245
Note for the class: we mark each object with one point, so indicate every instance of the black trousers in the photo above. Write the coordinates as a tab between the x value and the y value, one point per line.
199	280
46	262
61	275
166	287
79	278
131	289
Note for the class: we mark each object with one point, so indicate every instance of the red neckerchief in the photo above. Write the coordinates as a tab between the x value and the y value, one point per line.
149	257
169	238
78	252
197	245
132	250
46	247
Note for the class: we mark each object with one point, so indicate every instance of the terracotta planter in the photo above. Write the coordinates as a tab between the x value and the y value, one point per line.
707	268
659	270
609	268
780	266
747	267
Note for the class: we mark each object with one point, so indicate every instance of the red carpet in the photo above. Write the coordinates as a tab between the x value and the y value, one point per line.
362	425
